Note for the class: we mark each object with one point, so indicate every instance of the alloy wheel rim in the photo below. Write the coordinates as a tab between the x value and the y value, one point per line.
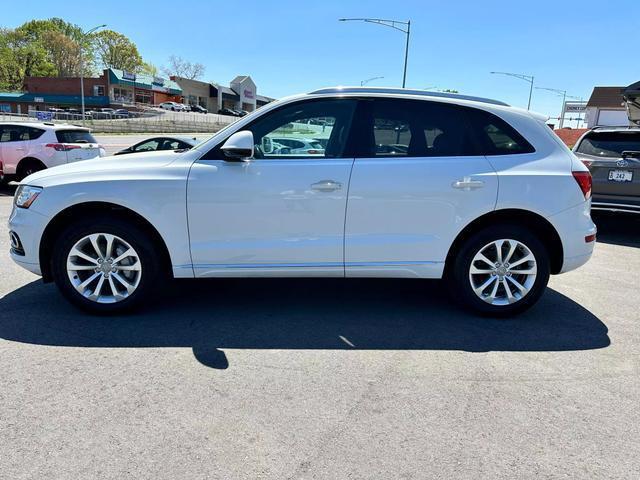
503	272
104	268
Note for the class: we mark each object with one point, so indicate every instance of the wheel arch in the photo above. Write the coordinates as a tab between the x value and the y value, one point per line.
533	221
67	216
27	160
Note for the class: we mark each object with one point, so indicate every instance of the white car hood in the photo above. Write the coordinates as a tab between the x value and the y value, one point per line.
128	165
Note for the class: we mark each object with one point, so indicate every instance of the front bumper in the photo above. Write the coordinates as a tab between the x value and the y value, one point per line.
28	225
616	203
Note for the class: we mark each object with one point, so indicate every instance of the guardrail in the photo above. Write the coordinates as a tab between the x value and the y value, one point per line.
146	121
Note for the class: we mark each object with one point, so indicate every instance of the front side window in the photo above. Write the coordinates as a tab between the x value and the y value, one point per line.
300	130
401	128
609	144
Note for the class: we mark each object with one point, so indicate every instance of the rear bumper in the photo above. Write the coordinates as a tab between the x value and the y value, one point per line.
573	226
616	203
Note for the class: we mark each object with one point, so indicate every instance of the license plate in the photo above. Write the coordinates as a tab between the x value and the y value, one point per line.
620	175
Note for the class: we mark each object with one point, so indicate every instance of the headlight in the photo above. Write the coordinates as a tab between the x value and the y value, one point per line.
26	195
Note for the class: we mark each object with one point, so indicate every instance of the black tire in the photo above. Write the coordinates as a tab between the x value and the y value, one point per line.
137	238
28	166
457	275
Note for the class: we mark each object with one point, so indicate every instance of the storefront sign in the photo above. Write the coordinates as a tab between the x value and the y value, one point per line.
44	116
158	81
576	107
128	76
248	93
38	99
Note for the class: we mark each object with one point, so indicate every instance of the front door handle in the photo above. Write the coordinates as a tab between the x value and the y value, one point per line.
327	186
467	184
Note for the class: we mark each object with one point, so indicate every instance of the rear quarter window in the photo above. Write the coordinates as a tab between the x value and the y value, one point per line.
495	136
75	136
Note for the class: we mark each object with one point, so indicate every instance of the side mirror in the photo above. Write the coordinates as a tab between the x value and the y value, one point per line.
239	146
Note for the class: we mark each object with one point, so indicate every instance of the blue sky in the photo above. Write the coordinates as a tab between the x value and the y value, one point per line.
294	46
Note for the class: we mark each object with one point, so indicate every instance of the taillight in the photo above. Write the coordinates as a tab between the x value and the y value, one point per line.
586	163
584	182
1	170
62	147
313	152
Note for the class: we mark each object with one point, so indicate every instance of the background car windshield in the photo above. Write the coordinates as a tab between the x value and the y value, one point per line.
75	136
609	144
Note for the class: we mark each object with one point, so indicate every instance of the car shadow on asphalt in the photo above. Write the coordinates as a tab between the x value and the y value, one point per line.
618	228
364	314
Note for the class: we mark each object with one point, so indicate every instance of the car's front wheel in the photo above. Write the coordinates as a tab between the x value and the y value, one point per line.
106	266
499	271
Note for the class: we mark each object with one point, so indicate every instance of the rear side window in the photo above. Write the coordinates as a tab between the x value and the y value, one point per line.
416	129
609	144
495	136
74	136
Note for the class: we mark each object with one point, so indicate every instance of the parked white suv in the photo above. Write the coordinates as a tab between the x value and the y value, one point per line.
485	195
26	148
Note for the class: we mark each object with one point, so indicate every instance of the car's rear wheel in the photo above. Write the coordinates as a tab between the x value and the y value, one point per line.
28	166
499	271
107	266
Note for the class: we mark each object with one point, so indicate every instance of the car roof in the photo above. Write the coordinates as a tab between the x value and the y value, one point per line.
47	125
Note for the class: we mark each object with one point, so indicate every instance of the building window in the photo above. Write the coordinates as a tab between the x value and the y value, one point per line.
143	96
121	95
98	90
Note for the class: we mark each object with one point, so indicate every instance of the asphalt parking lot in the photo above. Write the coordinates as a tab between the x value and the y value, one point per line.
325	379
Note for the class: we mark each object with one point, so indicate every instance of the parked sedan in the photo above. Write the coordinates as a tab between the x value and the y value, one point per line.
612	154
198	109
160	143
173	106
109	232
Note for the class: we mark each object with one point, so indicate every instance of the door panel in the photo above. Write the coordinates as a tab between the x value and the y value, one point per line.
403	214
264	217
281	213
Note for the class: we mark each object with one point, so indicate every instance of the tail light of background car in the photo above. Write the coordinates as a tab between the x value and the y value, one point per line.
587	163
62	147
584	182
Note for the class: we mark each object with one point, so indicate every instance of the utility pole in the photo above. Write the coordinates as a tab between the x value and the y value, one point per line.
84	35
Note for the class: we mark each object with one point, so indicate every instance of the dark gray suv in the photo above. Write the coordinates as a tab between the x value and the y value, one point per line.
612	154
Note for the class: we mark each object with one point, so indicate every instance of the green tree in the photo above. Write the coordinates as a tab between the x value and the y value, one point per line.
116	51
19	58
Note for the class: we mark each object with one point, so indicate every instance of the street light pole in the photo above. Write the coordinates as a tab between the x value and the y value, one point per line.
364	82
84	35
391	24
526	78
564	95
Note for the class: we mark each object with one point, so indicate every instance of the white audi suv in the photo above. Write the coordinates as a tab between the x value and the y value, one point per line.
481	194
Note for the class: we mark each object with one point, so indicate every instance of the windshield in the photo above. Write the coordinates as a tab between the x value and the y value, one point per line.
609	144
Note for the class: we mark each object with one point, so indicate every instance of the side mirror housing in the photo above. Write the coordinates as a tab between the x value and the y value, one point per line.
239	146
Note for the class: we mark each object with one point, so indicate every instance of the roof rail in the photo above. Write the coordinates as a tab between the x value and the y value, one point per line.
604	127
407	91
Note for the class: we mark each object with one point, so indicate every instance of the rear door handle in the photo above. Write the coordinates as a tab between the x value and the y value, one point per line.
467	184
327	186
